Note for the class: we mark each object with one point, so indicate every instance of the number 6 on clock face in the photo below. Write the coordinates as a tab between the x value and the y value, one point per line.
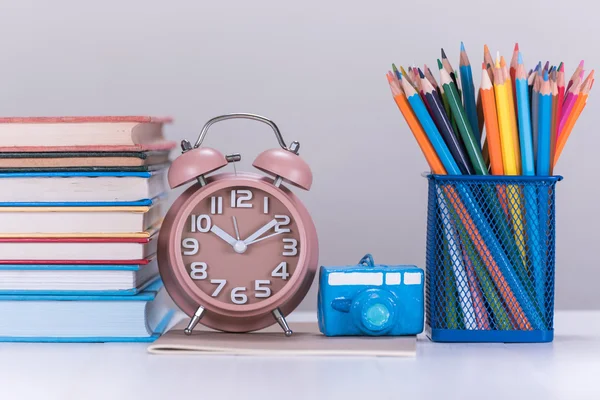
235	243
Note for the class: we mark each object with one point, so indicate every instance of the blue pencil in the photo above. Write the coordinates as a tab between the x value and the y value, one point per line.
543	169
430	128
544	127
468	90
528	166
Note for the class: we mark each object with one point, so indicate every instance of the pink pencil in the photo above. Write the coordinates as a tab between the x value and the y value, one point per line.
570	99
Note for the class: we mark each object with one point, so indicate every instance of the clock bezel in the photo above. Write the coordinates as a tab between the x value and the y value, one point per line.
226	181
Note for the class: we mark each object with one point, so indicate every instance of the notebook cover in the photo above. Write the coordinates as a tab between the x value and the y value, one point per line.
148	294
124	292
305	341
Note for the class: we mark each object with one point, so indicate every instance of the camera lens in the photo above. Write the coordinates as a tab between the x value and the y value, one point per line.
377	315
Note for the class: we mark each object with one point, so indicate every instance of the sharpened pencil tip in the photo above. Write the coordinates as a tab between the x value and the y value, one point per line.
483	65
516	47
462	46
421	74
520	58
443	54
440	65
581	64
545	75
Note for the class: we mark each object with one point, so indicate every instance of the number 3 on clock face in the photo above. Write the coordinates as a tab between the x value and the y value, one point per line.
240	245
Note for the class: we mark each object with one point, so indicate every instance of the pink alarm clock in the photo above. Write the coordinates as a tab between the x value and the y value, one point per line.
238	252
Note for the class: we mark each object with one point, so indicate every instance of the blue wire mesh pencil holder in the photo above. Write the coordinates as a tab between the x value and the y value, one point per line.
490	258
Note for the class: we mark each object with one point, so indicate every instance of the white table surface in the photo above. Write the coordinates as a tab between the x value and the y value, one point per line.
568	368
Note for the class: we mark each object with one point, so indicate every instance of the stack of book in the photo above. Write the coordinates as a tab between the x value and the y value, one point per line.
81	203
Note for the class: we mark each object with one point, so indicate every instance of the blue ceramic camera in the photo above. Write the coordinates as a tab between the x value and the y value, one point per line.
369	299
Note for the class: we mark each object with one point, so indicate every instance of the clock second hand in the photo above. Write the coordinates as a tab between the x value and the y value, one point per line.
264	237
235	226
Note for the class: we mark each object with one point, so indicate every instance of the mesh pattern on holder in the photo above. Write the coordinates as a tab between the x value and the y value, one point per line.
490	258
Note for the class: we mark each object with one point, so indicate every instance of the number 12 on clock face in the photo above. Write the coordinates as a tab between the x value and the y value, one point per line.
241	245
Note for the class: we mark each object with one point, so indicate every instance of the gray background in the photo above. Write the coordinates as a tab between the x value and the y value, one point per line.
317	68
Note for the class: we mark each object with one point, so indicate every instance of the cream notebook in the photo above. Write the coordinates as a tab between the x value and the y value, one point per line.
306	341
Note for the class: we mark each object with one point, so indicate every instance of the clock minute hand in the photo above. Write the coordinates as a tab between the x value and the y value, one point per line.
259	232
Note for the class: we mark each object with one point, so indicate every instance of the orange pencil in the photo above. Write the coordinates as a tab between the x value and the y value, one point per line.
488	101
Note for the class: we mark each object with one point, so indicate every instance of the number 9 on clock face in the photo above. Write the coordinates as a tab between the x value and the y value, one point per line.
240	245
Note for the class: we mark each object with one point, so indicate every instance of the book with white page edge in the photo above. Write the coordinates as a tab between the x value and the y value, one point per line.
105	279
81	130
70	250
142	317
45	187
80	221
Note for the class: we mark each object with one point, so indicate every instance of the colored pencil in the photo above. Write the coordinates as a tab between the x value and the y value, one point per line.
574	116
553	124
424	144
407	76
504	124
468	91
513	70
491	123
512	114
467	135
575	75
524	117
535	98
560	83
446	103
488	61
450	70
570	98
451	138
416	103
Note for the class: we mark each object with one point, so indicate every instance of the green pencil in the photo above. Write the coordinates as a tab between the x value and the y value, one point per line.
471	143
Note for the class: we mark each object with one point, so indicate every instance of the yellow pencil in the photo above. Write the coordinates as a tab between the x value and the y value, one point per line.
509	157
509	161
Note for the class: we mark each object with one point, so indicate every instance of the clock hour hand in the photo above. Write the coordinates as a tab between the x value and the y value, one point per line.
259	232
223	235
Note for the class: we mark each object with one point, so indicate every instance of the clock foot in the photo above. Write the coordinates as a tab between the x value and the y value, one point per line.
194	321
282	322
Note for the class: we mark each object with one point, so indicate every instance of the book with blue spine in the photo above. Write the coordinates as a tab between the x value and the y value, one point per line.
142	317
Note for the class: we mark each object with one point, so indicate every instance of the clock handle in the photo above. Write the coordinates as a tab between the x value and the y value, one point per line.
294	146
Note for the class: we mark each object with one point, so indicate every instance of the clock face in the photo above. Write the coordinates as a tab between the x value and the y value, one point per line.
240	245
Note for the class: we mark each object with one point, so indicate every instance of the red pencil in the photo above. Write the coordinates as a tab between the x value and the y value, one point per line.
560	84
513	70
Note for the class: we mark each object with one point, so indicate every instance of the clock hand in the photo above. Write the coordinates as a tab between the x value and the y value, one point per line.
262	230
265	237
223	235
237	233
